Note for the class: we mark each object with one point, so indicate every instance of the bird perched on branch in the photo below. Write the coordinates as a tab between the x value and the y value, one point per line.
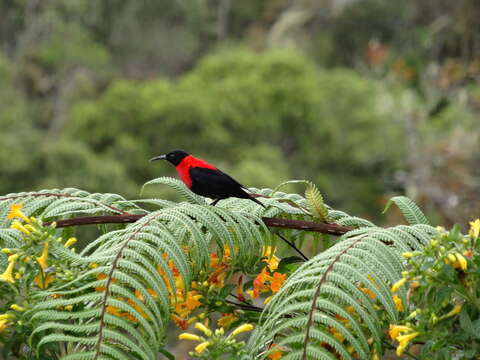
205	179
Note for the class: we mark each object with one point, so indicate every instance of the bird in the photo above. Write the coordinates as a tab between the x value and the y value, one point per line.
205	179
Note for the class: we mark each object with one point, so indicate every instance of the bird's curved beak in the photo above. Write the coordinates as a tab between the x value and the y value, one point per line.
161	157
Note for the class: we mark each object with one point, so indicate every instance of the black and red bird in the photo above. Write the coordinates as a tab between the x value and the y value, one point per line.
205	179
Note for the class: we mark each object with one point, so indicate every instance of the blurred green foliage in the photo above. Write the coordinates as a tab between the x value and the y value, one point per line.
364	98
264	117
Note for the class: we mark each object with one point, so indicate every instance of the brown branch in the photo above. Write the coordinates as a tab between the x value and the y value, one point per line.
331	229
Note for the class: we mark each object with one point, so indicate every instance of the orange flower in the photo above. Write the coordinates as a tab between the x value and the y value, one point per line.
217	278
259	285
113	310
102	276
398	303
181	323
240	295
275	355
226	320
368	292
277	281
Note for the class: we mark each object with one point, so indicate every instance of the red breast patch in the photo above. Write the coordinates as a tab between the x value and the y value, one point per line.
188	162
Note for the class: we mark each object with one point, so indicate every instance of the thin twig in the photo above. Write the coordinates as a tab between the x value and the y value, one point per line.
244	307
292	245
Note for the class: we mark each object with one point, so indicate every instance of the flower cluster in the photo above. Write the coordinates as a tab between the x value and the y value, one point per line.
214	343
33	255
443	294
268	280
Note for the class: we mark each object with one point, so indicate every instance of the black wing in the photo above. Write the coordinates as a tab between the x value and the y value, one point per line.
215	184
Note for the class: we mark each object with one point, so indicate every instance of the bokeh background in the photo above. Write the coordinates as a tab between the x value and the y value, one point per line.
366	98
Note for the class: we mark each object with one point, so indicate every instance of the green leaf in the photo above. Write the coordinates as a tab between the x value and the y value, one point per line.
409	209
466	322
315	202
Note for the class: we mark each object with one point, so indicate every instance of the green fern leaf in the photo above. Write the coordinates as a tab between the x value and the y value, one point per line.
409	209
315	201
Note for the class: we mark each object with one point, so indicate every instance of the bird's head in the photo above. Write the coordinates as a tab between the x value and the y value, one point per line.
174	157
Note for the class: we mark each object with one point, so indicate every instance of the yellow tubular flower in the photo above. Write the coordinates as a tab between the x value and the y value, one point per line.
16	212
461	261
404	340
42	260
201	347
13	258
456	309
8	274
395	330
242	328
408	255
6	316
3	325
398	303
70	242
188	336
452	258
475	229
203	328
398	285
17	308
17	225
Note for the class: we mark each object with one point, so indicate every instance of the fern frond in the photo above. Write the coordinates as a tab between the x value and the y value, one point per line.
315	201
121	306
54	203
409	209
179	187
347	283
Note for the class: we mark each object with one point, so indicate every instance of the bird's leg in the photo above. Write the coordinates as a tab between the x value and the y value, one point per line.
214	202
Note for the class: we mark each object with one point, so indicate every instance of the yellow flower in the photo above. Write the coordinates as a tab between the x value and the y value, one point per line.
6	316
188	336
404	340
398	303
452	259
395	330
398	285
42	260
475	228
462	262
203	328
13	257
43	281
16	212
70	242
272	259
17	308
17	225
242	328
456	309
3	324
408	255
8	274
201	347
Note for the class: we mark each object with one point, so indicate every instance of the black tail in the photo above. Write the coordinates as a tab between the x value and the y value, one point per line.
255	200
